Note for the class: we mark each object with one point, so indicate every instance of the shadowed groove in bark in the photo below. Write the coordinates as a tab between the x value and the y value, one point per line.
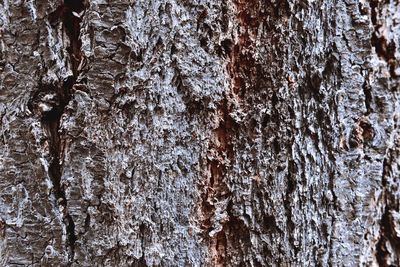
389	241
56	98
71	22
388	245
52	123
384	48
388	235
69	13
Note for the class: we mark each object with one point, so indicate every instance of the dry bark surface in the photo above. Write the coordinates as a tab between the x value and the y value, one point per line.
199	133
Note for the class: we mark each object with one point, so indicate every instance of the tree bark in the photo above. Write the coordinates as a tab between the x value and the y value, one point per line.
199	133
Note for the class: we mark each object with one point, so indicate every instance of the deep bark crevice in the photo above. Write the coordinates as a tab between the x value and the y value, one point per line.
388	235
389	240
368	96
70	14
384	48
50	100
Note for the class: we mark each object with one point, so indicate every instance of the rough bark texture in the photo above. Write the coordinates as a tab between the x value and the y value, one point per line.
199	133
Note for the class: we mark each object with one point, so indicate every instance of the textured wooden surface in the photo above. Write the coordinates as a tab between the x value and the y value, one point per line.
199	133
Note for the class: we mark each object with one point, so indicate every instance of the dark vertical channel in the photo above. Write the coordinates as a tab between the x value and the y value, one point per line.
70	14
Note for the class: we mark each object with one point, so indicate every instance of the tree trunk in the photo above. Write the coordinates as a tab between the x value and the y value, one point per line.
199	133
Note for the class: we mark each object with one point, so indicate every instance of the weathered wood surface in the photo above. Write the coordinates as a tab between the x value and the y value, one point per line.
199	133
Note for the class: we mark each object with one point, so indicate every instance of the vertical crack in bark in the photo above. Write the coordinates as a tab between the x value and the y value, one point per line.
384	48
388	236
368	96
51	100
388	245
51	123
73	10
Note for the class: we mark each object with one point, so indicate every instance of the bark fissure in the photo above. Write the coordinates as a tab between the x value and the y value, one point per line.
389	240
50	101
388	235
384	48
55	169
387	247
71	19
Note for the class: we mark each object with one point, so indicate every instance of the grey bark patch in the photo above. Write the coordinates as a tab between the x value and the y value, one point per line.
199	133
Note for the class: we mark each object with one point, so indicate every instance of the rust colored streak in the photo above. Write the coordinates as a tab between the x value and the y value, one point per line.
216	188
245	72
219	245
241	65
224	133
245	75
